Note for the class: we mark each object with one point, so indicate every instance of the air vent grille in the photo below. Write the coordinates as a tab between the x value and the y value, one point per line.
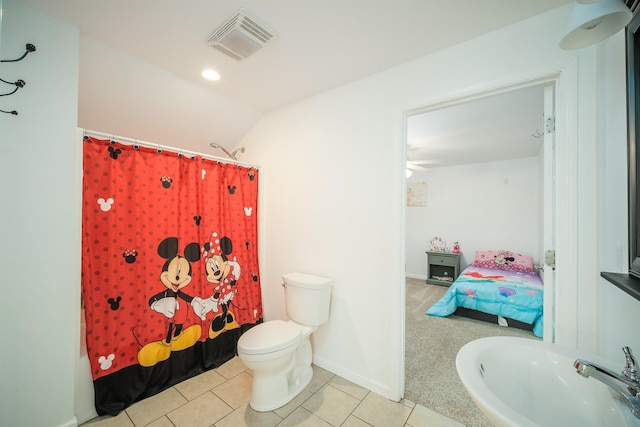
255	29
240	36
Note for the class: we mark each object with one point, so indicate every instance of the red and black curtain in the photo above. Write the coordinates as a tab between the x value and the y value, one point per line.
170	275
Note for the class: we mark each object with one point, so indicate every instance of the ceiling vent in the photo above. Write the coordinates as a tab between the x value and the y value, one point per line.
240	36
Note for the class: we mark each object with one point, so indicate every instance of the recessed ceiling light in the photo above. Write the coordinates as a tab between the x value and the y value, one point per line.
210	74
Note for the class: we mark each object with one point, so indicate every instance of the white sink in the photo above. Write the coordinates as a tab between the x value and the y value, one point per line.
524	382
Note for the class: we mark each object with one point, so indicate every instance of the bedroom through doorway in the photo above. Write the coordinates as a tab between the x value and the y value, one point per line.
479	175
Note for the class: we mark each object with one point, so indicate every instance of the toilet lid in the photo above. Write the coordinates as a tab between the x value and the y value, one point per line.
268	337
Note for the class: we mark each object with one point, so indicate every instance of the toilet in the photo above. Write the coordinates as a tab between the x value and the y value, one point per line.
278	351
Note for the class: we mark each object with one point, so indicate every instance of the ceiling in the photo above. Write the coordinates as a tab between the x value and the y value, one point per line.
502	126
140	61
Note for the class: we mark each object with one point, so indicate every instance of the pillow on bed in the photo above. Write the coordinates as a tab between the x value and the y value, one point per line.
503	260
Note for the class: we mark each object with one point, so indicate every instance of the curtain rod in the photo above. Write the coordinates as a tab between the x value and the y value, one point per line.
165	147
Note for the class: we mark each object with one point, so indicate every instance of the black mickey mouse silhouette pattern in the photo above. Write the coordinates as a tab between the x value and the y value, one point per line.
114	303
114	153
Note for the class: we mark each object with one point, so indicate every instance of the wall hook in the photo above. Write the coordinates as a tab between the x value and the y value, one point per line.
29	48
18	83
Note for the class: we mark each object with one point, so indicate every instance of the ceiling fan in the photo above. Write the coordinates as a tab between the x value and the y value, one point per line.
418	165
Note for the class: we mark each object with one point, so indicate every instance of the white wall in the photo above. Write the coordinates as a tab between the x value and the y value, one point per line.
40	227
334	189
618	313
482	206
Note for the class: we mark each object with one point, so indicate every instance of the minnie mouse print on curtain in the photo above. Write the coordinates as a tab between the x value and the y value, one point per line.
170	276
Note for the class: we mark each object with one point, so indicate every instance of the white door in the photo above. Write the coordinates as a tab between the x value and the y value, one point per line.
549	209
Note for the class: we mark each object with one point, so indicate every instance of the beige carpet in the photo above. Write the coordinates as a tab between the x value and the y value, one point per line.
430	351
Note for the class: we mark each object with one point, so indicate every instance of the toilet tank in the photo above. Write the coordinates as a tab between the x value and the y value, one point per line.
307	298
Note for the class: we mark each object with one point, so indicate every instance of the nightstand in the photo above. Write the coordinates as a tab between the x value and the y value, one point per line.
442	268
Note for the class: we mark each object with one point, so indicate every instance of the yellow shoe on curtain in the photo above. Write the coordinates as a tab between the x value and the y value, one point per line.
186	338
224	321
154	352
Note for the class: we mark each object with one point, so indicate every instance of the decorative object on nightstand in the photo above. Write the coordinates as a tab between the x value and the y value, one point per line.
442	267
456	248
438	244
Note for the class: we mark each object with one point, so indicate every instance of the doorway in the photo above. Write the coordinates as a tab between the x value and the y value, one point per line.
496	133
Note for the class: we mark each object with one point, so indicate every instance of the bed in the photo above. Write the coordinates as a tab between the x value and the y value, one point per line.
511	294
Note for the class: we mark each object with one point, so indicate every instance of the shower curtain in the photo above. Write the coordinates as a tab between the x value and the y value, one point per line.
170	276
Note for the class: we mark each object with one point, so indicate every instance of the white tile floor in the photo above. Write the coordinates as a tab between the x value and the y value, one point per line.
220	398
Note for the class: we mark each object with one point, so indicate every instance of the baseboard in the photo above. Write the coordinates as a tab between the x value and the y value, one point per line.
415	276
86	415
374	386
71	423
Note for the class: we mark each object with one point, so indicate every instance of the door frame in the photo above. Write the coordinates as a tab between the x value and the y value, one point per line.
564	76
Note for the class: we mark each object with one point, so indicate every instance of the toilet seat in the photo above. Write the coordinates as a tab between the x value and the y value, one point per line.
269	337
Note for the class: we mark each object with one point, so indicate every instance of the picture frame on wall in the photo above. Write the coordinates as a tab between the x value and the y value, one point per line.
417	194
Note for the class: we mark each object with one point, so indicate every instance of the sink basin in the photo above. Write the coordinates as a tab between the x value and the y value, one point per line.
524	382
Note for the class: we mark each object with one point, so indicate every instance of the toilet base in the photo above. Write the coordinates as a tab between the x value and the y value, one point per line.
266	387
279	376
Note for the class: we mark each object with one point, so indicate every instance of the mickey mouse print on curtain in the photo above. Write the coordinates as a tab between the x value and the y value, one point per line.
170	275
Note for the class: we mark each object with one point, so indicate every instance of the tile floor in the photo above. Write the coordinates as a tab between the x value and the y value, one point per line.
220	398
